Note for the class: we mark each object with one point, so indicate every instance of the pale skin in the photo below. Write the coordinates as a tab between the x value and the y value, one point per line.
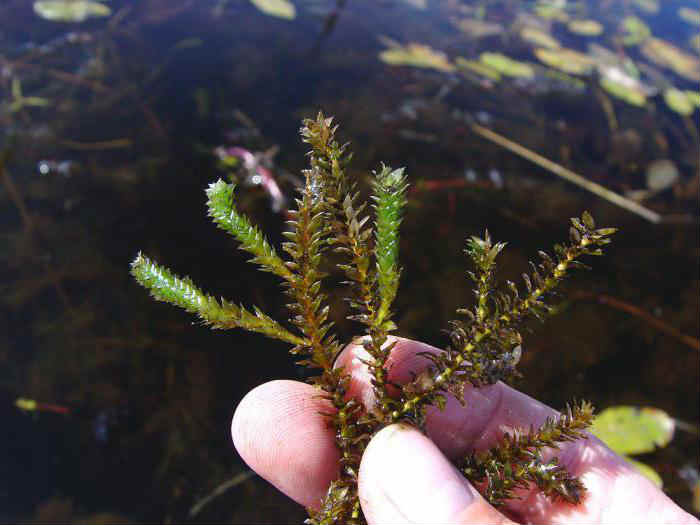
406	476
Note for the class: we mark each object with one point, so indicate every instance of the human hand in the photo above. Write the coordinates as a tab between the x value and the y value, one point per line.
406	477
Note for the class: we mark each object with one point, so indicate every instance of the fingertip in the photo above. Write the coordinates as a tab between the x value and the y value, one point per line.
278	431
404	478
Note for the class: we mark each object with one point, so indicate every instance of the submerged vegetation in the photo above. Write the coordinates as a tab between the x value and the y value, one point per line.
331	224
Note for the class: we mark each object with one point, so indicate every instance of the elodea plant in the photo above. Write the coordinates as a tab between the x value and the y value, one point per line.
484	344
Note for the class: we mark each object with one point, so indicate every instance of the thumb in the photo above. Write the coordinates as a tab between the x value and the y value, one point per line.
404	478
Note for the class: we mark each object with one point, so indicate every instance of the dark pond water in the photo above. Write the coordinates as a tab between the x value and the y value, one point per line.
109	129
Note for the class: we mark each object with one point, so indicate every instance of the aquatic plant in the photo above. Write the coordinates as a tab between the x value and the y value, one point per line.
634	30
506	65
566	60
635	430
277	8
661	174
667	55
477	29
415	55
417	4
478	68
693	97
550	11
330	218
690	15
70	10
20	101
648	6
625	91
678	101
538	37
585	27
694	42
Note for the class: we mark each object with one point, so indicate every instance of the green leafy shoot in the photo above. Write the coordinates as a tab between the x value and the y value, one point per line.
223	212
389	200
167	287
485	344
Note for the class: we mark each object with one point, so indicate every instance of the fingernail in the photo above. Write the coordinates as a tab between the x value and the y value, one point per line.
405	478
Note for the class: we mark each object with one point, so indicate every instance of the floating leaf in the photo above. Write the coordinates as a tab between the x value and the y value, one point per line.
551	12
477	28
694	97
695	42
566	60
692	16
633	430
661	174
70	10
416	55
678	101
647	471
507	66
668	55
278	8
417	4
477	68
538	37
635	31
563	81
624	91
585	27
648	6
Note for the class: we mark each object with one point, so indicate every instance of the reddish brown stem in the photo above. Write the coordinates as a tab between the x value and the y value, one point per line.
637	312
16	197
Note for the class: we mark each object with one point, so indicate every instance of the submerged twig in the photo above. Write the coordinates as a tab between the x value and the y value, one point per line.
567	174
96	146
15	195
618	304
219	490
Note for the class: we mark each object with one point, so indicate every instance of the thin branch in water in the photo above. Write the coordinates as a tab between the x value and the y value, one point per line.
96	146
15	195
219	490
637	312
567	174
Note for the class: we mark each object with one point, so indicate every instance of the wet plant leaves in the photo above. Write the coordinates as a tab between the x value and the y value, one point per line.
472	66
477	28
538	37
694	42
629	94
70	10
549	11
694	97
635	31
661	174
417	4
648	6
633	430
585	27
690	15
277	8
416	55
566	60
679	101
667	55
506	65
